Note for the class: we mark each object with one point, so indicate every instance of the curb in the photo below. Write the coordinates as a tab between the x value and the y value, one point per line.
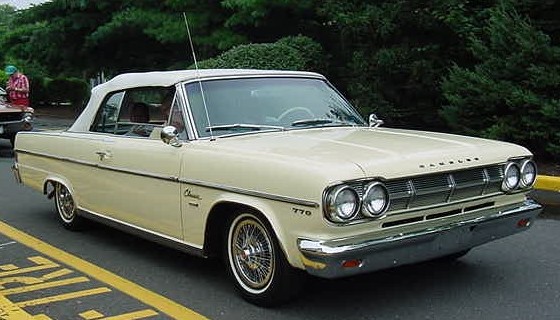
546	191
547	183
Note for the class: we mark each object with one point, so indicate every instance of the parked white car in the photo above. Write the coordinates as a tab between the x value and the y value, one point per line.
277	173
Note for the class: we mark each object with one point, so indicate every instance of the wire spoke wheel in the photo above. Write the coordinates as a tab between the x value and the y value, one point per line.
66	207
65	203
251	254
256	262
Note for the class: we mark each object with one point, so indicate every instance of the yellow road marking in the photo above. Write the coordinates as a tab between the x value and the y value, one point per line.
550	183
9	311
42	265
91	314
62	297
161	303
45	285
8	267
56	274
134	315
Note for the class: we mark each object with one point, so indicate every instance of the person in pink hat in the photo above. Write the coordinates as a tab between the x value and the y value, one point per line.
17	87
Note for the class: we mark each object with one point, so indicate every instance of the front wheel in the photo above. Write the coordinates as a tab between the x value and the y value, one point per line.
66	208
257	264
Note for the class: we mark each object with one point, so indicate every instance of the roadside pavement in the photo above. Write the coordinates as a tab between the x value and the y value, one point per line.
54	117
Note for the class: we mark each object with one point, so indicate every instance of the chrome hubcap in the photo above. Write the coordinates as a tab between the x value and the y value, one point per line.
65	203
252	253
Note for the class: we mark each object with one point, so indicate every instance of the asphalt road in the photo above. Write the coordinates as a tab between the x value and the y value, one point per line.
513	278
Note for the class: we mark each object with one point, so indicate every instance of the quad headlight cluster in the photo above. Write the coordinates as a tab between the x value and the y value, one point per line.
343	203
519	175
364	200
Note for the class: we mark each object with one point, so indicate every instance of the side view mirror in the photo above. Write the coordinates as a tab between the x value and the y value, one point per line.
374	121
170	135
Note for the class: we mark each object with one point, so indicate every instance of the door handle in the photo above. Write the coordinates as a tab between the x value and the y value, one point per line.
103	155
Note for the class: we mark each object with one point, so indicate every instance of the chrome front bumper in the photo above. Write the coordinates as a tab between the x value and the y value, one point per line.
345	257
9	128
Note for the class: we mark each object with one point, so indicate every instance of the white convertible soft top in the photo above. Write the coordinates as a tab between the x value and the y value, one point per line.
165	79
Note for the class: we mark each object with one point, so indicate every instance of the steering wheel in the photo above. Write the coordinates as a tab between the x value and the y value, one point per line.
294	110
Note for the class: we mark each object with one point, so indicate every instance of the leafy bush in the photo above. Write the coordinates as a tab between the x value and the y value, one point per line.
258	56
311	52
292	53
71	90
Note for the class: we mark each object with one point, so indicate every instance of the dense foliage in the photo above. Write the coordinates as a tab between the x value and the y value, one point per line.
290	53
512	90
486	68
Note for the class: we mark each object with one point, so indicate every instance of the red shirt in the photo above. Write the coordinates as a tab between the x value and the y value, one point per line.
18	86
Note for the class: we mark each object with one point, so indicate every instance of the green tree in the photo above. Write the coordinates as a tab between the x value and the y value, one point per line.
267	21
402	59
511	93
390	56
81	37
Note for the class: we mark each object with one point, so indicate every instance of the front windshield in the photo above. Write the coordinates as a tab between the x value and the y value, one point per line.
255	104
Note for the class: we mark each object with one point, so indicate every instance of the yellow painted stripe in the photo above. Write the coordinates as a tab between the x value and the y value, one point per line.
44	266
91	314
134	315
9	311
62	297
41	286
161	303
8	267
550	183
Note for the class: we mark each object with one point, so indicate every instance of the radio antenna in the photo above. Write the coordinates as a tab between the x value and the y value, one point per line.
198	77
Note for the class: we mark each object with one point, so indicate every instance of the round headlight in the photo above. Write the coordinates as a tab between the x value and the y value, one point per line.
376	200
512	177
343	203
528	173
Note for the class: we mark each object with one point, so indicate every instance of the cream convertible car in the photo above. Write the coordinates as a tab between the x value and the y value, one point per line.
277	173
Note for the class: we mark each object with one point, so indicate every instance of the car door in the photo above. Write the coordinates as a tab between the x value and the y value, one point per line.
139	172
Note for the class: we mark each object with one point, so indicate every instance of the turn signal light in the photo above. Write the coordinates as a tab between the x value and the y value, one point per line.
523	223
354	263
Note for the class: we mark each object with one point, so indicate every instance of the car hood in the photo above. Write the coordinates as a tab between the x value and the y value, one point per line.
9	108
377	152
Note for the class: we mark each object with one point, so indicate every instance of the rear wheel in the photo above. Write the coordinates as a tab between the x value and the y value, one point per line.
66	208
257	264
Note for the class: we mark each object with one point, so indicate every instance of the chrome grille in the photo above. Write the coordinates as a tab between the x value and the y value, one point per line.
442	188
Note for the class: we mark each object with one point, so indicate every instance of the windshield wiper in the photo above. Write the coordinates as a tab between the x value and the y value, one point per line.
319	121
242	126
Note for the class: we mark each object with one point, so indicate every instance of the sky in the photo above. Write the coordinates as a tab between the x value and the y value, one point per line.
21	4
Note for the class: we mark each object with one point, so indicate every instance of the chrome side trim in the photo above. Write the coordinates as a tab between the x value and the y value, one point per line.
144	233
101	166
205	184
253	193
